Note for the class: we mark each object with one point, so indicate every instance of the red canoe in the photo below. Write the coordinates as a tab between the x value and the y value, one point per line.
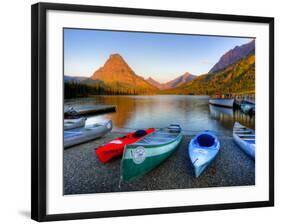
114	148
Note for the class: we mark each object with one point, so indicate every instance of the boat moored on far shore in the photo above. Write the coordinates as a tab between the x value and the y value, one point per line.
222	100
247	107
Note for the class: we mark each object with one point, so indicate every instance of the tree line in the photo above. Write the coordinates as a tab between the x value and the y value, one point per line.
77	89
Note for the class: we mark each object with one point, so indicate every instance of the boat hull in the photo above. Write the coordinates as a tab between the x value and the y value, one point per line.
115	148
217	112
201	157
140	159
245	138
222	102
81	135
247	108
69	124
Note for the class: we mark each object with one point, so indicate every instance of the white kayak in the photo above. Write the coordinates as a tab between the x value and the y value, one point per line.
245	138
85	134
74	123
202	150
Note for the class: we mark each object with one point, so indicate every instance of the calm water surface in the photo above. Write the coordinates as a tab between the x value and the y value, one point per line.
193	113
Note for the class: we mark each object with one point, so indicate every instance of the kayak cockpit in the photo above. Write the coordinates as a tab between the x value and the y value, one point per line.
206	140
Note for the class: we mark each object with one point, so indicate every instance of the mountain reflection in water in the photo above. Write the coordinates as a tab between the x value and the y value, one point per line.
193	113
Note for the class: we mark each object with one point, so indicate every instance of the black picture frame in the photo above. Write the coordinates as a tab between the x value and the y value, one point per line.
39	122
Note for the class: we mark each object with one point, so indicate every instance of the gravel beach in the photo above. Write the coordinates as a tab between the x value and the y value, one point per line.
84	173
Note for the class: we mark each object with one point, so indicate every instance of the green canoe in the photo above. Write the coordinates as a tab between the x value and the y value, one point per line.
144	155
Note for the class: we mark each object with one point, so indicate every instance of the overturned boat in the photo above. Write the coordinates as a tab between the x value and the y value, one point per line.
69	124
85	134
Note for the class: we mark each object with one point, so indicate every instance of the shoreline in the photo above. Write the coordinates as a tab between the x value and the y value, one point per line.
157	94
84	173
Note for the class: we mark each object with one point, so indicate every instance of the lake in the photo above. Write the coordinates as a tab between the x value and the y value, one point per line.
193	113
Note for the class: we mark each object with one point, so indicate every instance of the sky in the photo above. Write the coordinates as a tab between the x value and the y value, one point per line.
160	56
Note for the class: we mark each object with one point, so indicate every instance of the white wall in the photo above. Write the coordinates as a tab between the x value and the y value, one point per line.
15	109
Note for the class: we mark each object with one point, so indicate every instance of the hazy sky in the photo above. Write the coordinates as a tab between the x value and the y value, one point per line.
161	56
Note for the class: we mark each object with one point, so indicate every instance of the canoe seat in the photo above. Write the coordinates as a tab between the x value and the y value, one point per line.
248	139
243	132
205	140
243	137
247	135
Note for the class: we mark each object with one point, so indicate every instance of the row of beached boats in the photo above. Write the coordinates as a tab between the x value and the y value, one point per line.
204	148
143	150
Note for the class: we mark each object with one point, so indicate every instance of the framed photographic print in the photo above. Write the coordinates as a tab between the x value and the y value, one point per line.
139	111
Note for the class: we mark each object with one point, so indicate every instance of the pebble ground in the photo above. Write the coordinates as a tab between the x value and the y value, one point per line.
84	173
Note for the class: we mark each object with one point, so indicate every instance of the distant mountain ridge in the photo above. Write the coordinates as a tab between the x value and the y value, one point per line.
233	73
81	80
68	78
181	80
234	55
154	83
235	78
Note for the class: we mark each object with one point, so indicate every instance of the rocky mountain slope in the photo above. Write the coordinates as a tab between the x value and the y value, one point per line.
117	75
234	55
235	78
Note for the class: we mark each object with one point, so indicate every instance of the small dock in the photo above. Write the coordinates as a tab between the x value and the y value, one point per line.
91	109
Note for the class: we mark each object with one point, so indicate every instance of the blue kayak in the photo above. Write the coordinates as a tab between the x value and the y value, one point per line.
202	150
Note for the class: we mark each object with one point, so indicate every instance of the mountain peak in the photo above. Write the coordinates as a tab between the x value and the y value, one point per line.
186	75
116	60
114	68
151	79
115	56
117	72
234	55
183	79
153	82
